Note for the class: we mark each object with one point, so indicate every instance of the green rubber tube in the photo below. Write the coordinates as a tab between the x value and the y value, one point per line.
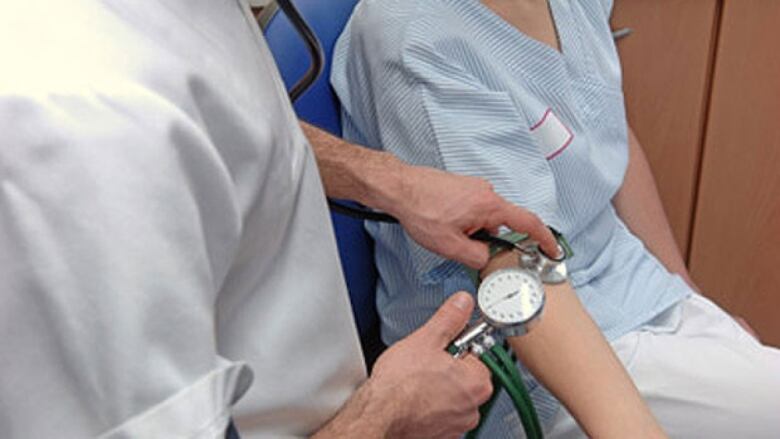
505	375
517	393
514	374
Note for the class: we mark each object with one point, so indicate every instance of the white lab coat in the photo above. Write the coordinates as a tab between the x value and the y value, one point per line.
161	223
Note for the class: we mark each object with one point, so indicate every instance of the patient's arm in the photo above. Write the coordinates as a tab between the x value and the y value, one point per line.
639	205
438	209
569	355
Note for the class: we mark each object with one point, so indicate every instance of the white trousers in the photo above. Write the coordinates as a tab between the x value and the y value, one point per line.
701	374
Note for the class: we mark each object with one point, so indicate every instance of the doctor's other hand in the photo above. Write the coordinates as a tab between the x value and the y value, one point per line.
432	394
440	210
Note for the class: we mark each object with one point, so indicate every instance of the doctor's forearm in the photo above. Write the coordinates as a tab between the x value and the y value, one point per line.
353	172
639	206
569	355
360	417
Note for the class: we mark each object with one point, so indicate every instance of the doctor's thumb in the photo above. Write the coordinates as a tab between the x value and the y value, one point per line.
448	321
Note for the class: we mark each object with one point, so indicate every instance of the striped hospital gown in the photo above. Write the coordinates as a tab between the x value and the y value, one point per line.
449	84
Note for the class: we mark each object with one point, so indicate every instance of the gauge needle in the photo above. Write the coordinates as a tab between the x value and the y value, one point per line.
508	296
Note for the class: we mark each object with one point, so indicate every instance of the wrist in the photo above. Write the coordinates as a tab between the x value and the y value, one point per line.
383	405
354	172
371	412
504	259
385	182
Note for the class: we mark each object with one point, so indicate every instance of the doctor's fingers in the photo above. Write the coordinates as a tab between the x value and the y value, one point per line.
476	377
468	422
460	247
524	221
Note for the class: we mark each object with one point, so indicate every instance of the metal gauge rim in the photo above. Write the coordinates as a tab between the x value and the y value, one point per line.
481	291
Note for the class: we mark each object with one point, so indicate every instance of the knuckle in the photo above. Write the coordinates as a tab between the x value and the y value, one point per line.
482	184
469	362
487	376
474	367
479	385
437	328
483	391
472	420
528	217
473	256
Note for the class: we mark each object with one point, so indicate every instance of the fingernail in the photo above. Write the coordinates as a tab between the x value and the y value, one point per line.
462	301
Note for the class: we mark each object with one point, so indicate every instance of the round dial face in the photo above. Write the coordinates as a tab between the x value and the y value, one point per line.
510	296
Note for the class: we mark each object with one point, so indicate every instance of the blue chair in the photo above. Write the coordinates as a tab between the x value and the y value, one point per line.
319	106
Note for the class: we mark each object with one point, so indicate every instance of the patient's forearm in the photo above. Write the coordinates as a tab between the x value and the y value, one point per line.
569	355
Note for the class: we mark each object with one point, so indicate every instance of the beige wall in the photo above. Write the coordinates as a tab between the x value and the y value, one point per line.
666	69
702	83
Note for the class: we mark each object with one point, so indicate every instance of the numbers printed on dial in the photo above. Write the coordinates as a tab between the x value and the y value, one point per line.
510	296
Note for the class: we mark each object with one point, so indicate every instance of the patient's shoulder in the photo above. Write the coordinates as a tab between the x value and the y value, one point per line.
387	27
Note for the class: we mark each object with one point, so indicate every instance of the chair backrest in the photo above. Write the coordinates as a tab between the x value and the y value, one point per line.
319	106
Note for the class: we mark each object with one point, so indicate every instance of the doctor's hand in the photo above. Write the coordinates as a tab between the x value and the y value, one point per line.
436	394
417	389
440	210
